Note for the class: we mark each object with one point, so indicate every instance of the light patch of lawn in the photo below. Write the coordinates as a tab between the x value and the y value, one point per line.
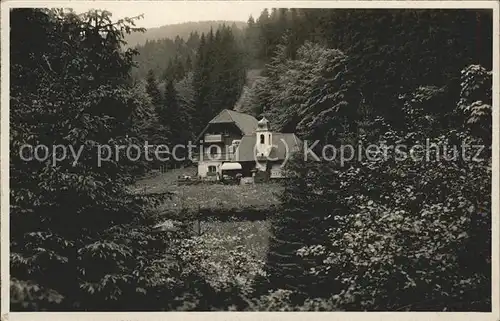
224	197
162	182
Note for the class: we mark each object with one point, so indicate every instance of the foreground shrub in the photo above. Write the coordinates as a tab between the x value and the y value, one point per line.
403	233
79	239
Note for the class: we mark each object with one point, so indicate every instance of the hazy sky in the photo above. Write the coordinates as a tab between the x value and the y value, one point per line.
160	13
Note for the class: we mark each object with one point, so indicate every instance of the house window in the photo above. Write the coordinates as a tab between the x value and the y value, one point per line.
212	169
262	139
269	139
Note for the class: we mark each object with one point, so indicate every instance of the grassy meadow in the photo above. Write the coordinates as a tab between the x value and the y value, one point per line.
209	196
220	241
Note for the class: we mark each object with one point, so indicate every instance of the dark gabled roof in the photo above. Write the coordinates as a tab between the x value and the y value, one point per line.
246	123
284	145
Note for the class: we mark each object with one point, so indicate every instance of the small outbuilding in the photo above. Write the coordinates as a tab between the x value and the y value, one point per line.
231	172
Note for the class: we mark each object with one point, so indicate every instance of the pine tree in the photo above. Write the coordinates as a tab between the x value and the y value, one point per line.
179	68
169	111
189	63
185	94
193	41
67	246
201	74
219	74
251	44
309	202
152	88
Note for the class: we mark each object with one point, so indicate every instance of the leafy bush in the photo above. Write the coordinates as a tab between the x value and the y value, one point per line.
411	241
70	87
402	233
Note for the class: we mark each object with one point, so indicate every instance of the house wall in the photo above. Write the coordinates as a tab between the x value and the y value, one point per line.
229	138
229	133
274	169
207	146
203	167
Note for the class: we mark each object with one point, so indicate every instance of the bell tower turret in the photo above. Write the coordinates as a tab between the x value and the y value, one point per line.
264	139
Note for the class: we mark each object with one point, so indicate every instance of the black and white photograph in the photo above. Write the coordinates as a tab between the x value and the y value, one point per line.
250	156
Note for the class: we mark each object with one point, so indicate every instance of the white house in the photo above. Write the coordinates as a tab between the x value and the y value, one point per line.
235	142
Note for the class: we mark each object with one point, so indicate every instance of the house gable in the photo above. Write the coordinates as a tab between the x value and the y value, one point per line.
246	123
